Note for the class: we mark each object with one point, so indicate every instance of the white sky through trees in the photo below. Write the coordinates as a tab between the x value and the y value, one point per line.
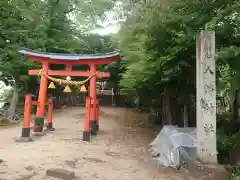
111	23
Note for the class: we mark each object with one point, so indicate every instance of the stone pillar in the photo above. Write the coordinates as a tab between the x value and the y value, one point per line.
206	98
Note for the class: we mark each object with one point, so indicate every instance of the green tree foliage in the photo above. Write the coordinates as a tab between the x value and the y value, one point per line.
49	25
15	27
158	45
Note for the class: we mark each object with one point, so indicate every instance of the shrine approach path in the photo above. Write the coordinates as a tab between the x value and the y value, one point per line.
119	152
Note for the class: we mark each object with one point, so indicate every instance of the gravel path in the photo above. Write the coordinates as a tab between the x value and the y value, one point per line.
117	153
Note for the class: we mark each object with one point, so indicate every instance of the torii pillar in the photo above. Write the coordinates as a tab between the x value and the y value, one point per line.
93	95
39	119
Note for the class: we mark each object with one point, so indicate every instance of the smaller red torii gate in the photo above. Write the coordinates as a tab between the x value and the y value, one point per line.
93	60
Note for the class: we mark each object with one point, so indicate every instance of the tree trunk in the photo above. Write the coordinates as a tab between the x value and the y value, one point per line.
185	115
13	104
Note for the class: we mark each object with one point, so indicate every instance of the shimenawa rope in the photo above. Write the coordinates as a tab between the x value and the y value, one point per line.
65	82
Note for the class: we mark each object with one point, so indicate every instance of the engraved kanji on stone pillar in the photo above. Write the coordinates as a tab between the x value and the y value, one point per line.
206	97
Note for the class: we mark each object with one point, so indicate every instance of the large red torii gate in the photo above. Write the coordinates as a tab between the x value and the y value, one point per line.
68	60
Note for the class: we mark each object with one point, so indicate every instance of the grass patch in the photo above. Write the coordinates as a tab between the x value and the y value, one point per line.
5	123
234	171
145	125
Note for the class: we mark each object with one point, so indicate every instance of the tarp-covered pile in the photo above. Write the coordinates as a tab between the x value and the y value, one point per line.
174	146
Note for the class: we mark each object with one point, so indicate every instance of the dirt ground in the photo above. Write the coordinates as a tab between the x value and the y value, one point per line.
119	152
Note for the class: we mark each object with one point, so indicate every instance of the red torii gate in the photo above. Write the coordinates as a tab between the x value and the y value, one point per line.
68	60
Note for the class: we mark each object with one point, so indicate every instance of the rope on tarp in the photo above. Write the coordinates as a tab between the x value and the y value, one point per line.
66	82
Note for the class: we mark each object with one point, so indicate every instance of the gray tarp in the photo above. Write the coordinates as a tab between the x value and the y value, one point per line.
174	146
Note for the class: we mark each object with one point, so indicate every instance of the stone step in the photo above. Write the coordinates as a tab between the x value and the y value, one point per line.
60	173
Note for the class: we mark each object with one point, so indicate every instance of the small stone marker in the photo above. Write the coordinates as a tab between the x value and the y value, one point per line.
60	173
